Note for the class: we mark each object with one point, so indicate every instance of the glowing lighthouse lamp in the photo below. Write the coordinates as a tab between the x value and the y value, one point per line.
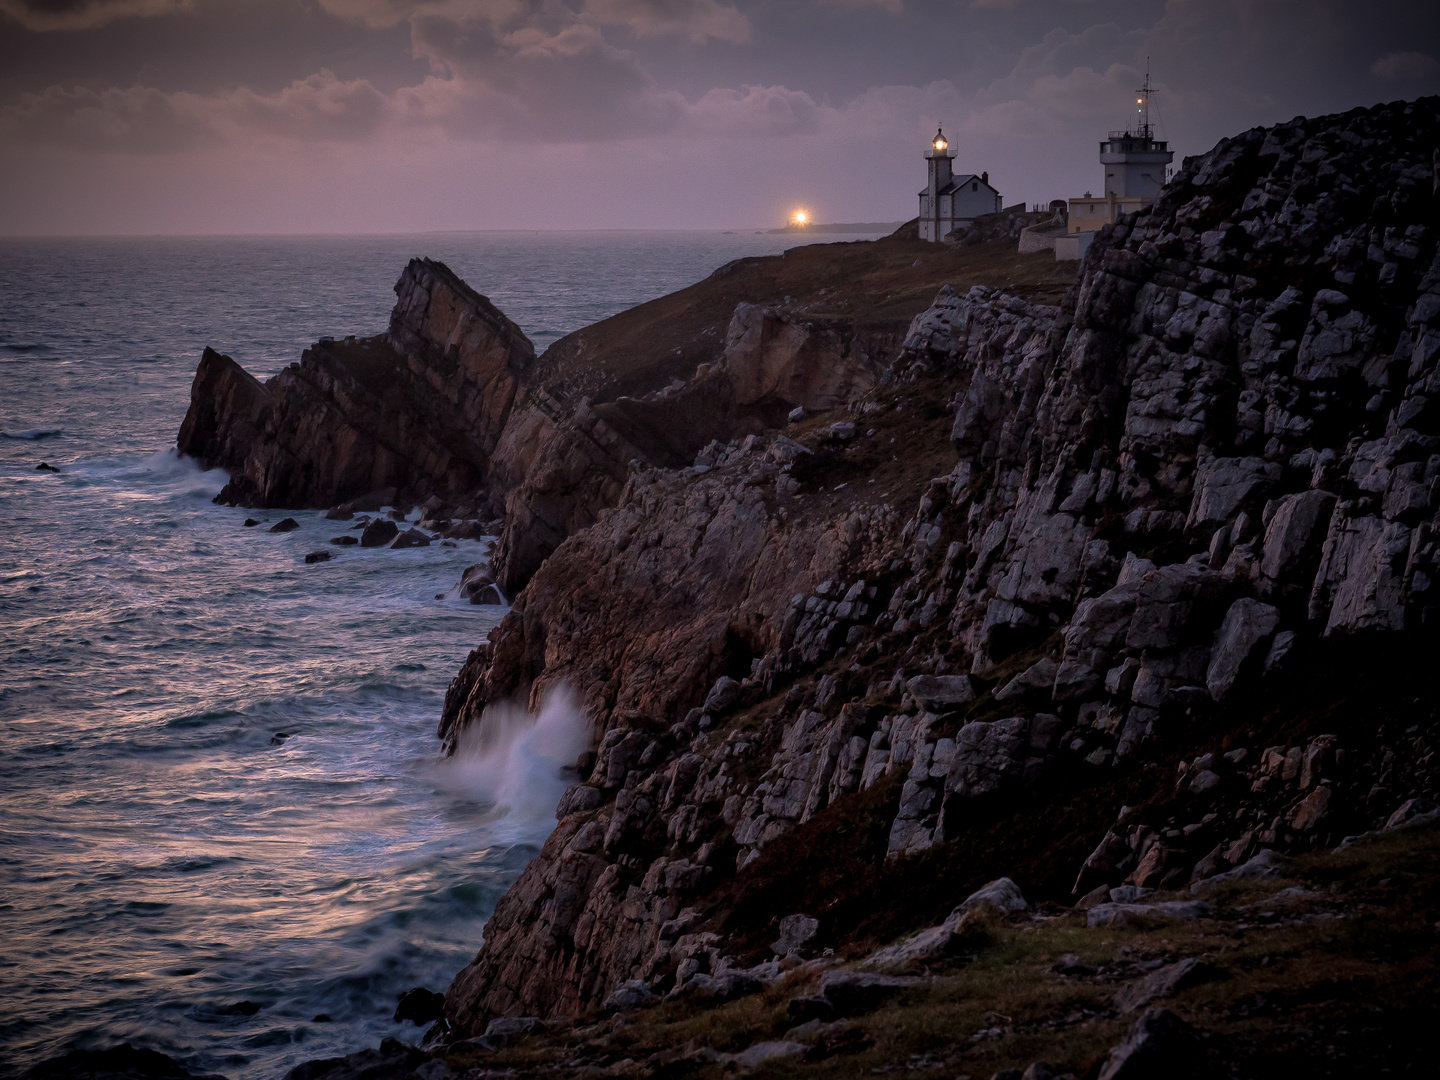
800	218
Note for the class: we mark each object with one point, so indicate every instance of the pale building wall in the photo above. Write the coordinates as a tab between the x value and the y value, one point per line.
974	200
1092	214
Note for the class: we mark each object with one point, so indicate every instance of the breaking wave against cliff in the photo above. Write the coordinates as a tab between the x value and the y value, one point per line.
521	764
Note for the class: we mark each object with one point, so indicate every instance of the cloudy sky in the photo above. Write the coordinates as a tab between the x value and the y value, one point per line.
276	116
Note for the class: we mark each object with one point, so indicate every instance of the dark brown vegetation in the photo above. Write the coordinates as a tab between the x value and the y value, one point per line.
1329	970
874	287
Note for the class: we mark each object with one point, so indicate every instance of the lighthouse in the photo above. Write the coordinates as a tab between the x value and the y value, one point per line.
949	200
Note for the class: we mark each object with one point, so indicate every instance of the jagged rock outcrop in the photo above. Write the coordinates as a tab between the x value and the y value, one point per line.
228	409
1215	460
413	413
561	466
452	403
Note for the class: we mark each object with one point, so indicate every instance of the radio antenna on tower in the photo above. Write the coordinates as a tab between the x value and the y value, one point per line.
1142	103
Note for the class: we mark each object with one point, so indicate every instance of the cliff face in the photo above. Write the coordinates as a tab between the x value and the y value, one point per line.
413	413
451	401
560	467
228	407
1055	558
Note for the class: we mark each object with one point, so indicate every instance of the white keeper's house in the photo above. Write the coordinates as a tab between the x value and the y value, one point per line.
951	200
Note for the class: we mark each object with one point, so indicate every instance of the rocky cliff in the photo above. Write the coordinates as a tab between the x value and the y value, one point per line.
1117	591
451	406
411	414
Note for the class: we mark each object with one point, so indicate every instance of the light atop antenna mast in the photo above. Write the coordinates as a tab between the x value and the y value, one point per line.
1142	103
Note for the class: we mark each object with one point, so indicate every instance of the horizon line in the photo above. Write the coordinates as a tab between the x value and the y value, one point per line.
758	229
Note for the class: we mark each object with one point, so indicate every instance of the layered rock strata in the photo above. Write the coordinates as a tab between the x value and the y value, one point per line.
1215	463
414	413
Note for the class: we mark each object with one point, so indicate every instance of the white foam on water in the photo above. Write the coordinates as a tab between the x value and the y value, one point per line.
516	762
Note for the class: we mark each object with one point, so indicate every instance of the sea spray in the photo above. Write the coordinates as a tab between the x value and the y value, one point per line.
520	763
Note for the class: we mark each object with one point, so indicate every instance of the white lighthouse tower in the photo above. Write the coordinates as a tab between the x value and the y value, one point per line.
949	200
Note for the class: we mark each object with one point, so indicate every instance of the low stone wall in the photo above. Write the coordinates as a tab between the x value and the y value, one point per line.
1040	238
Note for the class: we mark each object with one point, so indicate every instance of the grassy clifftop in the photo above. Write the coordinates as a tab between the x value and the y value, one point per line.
876	287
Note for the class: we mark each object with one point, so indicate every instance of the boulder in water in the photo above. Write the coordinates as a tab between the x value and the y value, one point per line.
420	1006
411	538
339	513
319	556
45	466
378	533
250	523
475	578
344	541
287	525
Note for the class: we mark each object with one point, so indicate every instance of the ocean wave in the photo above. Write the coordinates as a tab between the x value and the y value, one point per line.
33	434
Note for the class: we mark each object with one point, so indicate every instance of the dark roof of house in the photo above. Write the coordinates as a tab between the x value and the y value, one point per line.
958	182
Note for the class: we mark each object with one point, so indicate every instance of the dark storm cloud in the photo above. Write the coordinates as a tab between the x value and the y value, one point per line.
82	14
320	108
502	69
736	95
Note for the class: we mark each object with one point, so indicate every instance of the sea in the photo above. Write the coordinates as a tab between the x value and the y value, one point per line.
226	832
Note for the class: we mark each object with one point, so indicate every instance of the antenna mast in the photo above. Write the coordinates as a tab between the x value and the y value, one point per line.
1144	103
